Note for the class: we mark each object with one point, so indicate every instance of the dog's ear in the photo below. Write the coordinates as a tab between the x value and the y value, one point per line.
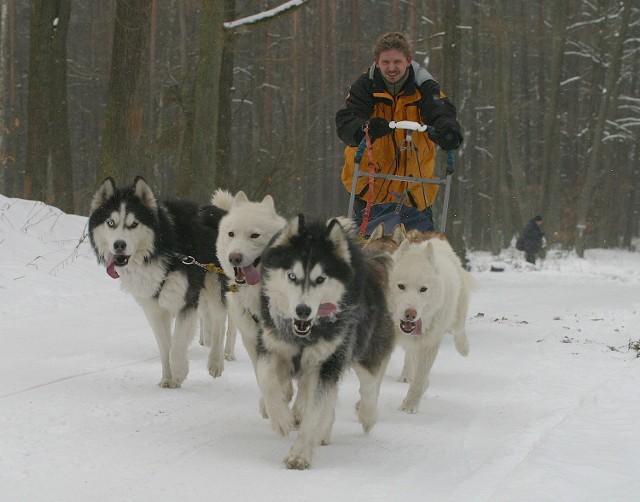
144	193
291	229
240	198
398	234
404	245
338	237
378	232
268	202
429	251
105	191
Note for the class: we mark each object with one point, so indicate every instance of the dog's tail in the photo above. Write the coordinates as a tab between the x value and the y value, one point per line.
222	198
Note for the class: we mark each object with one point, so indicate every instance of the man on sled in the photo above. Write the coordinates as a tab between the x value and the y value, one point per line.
396	89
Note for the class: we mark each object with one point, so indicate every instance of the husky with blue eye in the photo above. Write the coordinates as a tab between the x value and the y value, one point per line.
324	311
149	246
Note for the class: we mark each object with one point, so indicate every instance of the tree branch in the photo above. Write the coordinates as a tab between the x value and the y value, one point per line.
268	15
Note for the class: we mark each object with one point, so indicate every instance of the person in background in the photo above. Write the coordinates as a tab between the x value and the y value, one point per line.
396	88
532	239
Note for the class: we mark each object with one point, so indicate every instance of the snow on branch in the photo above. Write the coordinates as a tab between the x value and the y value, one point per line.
267	15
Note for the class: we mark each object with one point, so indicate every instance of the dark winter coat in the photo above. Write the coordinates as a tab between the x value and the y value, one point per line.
531	239
419	100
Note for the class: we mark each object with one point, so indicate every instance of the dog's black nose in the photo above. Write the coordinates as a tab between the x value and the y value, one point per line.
119	246
303	311
410	315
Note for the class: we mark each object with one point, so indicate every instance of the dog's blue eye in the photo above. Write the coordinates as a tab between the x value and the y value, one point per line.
401	286
255	236
423	289
111	223
291	276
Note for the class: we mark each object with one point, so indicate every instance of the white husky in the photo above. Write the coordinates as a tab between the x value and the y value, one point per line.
243	234
429	296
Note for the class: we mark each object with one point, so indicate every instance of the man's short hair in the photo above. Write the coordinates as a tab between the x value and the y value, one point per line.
392	40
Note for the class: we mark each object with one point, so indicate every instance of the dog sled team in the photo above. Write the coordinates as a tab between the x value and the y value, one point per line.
309	300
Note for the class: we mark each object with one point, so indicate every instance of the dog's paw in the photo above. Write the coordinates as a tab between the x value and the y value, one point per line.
409	407
179	368
462	345
282	422
297	462
367	415
282	427
229	356
215	368
168	383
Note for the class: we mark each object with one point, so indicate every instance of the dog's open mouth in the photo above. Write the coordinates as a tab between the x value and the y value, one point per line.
411	328
301	327
119	260
249	274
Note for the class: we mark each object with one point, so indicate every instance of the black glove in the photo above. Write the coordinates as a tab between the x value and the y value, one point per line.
378	127
447	134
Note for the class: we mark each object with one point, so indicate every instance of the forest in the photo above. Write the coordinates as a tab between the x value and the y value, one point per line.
196	95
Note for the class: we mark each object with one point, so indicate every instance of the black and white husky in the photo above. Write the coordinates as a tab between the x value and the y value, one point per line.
323	311
152	248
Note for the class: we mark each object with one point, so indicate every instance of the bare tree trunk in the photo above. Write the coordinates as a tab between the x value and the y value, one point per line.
450	81
49	174
123	154
4	83
224	104
516	198
608	95
499	189
550	165
198	173
62	172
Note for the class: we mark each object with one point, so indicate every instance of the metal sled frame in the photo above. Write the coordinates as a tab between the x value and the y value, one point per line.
410	127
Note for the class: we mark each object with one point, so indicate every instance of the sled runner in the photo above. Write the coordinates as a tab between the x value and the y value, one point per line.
411	127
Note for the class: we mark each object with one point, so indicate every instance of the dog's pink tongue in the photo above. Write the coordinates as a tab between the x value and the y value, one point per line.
111	268
418	329
326	309
251	275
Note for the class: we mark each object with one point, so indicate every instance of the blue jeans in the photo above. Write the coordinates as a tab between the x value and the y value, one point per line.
386	213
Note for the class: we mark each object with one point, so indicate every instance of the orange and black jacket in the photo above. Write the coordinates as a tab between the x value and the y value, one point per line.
419	100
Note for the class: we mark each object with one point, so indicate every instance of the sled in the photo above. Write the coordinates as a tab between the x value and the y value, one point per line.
411	127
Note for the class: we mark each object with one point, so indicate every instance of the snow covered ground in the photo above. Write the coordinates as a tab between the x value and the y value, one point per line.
546	406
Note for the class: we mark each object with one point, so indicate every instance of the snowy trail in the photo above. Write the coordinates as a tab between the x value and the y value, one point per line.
545	407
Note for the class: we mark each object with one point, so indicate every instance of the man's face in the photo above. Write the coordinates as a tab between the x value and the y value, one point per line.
393	64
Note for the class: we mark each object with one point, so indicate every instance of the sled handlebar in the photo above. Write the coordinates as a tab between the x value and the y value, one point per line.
410	126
